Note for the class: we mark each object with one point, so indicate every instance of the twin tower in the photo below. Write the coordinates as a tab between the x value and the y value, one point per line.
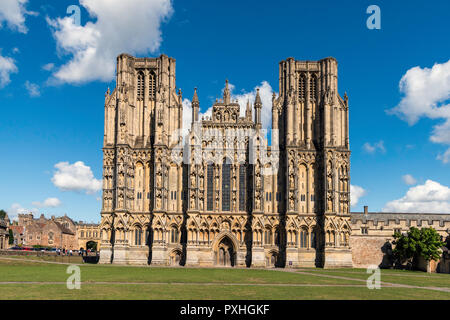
220	195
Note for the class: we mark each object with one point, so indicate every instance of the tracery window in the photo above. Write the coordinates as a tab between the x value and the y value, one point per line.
301	87
242	186
210	187
152	86
138	236
313	87
226	170
140	85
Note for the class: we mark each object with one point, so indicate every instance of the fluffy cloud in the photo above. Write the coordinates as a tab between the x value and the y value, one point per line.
356	192
48	66
75	177
7	66
431	197
131	26
265	92
409	179
372	148
33	89
48	203
17	208
13	12
426	95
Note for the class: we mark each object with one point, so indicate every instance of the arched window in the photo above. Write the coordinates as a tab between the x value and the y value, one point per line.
140	85
226	170
152	86
313	240
138	236
242	187
313	87
303	238
210	187
268	236
174	235
301	87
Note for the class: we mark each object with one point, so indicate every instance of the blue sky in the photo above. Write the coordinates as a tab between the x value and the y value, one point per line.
54	116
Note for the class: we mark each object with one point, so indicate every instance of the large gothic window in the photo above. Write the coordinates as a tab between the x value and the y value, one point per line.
242	186
226	171
140	85
313	87
138	236
209	188
152	86
301	87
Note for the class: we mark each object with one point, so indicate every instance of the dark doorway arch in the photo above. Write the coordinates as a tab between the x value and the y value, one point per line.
226	254
91	245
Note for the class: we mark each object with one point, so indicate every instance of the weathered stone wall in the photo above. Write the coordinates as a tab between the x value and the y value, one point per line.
367	250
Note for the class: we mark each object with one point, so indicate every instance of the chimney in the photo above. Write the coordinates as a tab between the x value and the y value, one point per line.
366	210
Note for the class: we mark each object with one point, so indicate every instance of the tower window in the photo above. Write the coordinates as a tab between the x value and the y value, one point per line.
152	86
313	87
140	85
301	87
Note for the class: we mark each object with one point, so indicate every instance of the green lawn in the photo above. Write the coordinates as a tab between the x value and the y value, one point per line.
126	282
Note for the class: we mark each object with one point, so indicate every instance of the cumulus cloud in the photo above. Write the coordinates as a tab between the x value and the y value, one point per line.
48	203
16	209
7	66
426	95
75	177
13	12
431	197
33	89
372	148
265	92
445	157
356	192
409	179
131	26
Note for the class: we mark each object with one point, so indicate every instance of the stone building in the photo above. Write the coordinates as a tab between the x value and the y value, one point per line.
372	234
88	234
57	232
18	234
4	234
222	196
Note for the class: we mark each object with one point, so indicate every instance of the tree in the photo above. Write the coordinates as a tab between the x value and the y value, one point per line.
11	237
2	214
425	242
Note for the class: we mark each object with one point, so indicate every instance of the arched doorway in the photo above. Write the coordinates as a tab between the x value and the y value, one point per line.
91	245
271	259
175	258
226	255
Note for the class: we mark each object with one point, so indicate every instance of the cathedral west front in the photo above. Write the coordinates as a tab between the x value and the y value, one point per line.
227	192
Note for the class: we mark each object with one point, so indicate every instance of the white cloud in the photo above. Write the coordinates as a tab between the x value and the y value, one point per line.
356	192
75	177
7	66
17	208
409	179
33	89
131	26
431	197
445	158
48	67
426	95
372	148
13	12
265	92
48	203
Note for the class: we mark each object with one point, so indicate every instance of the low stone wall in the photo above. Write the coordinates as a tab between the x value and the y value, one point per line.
26	253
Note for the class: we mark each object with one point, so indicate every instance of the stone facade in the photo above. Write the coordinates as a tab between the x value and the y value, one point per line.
222	197
55	232
88	232
4	234
372	234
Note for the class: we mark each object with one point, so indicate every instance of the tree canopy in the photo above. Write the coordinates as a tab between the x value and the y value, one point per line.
425	242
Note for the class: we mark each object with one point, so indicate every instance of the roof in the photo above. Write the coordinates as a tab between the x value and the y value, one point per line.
397	216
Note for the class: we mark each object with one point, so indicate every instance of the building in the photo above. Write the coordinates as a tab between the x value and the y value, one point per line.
4	234
372	234
18	234
55	232
223	197
88	235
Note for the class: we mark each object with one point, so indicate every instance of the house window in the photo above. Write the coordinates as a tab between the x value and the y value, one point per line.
364	230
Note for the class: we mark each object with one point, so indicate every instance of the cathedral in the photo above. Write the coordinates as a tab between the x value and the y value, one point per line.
219	194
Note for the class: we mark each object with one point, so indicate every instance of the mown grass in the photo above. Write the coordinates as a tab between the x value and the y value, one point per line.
204	283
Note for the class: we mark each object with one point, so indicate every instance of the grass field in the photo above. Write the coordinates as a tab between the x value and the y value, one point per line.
41	278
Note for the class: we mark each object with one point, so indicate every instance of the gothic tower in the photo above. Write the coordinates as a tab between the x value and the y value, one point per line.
313	123
141	115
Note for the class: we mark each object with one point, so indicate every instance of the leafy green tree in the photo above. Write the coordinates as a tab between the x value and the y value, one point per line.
425	242
11	237
2	214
